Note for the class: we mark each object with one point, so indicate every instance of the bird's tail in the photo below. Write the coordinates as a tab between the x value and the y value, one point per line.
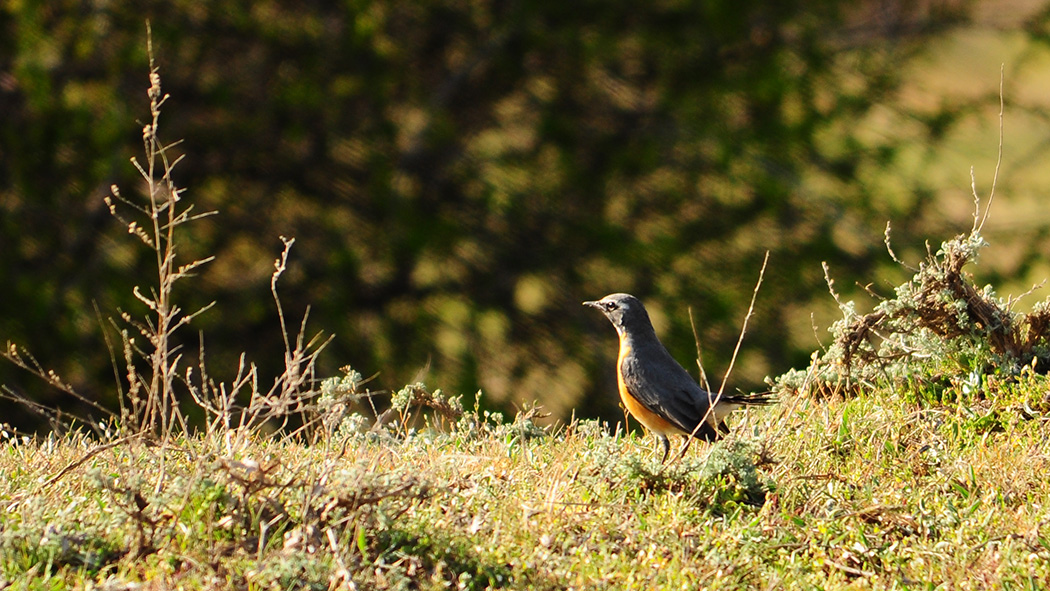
756	399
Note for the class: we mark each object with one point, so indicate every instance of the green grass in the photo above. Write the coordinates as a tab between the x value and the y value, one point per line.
879	491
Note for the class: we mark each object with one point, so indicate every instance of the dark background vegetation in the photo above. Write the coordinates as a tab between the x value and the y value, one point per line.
459	176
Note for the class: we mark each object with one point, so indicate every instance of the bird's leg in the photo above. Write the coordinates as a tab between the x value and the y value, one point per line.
667	447
685	448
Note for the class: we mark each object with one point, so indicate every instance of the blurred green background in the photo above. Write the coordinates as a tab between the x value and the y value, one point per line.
460	175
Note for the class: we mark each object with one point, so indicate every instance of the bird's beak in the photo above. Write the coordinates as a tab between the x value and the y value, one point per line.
592	304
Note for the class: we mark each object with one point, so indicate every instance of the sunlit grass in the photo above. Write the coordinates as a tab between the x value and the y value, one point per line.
878	491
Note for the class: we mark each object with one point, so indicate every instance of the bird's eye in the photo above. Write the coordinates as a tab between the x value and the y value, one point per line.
610	305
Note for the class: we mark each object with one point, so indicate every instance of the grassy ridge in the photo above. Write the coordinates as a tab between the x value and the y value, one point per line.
872	492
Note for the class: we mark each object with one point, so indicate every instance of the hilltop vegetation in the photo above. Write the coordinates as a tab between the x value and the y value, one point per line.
880	491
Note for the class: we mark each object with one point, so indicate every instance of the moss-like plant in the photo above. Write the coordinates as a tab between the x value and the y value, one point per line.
940	328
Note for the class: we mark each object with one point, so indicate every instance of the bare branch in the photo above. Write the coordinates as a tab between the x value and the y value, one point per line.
889	249
999	159
743	328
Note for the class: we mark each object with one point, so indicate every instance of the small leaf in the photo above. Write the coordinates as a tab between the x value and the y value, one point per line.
362	542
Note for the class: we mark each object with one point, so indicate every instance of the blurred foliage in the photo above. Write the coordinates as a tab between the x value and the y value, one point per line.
459	176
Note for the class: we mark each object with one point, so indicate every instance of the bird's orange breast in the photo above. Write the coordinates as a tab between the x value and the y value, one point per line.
651	420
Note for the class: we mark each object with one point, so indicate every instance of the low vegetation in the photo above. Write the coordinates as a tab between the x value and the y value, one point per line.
910	454
879	490
939	332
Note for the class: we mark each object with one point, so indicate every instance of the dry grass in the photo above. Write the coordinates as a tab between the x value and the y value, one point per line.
876	492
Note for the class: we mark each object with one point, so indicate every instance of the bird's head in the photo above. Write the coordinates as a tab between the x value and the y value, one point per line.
625	311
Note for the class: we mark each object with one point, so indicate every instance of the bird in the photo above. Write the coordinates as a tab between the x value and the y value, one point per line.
656	389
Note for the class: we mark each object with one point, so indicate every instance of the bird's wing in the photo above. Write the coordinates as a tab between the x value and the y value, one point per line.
663	386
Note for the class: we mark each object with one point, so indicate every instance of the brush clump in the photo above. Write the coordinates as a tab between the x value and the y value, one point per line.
939	329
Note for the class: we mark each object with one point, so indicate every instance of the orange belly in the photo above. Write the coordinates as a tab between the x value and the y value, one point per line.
646	417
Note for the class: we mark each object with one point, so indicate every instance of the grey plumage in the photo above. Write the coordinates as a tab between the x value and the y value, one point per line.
671	402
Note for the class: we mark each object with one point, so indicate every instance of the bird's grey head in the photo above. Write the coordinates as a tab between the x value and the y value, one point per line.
625	311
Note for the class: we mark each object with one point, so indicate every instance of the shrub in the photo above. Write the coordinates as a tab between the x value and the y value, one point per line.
939	329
